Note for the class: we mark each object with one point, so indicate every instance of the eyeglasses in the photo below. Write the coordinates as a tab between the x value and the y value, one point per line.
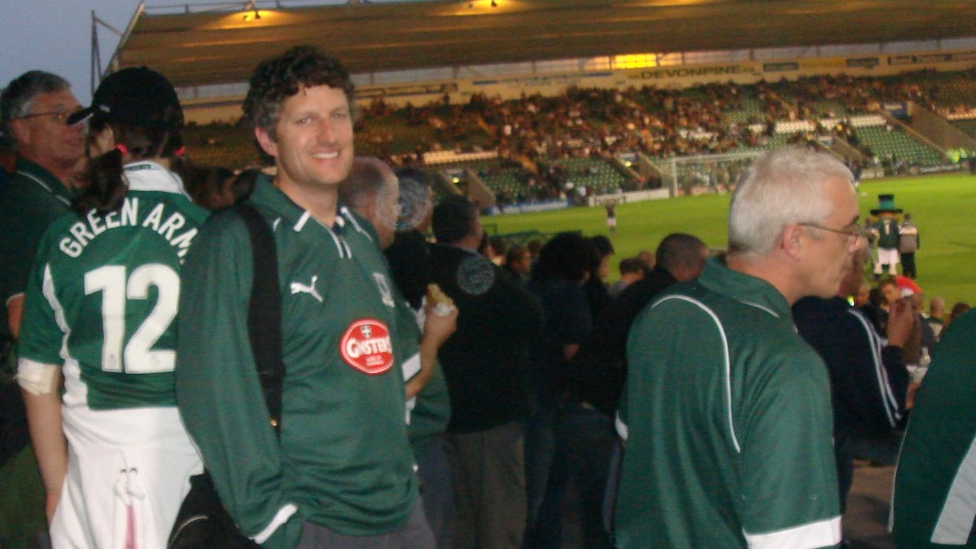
60	115
852	231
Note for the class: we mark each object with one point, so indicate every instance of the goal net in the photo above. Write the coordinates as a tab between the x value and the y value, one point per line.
705	174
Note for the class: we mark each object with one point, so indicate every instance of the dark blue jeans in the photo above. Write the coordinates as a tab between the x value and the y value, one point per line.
437	494
584	441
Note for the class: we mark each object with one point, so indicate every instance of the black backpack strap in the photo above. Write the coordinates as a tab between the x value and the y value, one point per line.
264	311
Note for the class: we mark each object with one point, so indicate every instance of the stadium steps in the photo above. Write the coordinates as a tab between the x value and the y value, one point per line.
593	173
967	125
897	144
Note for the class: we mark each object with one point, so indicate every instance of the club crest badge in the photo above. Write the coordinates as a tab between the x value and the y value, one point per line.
366	346
475	275
384	288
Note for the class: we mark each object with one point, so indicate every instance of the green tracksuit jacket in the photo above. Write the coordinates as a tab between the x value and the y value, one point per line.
343	461
729	425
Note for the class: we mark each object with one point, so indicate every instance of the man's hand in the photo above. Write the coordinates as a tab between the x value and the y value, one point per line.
440	321
437	327
901	322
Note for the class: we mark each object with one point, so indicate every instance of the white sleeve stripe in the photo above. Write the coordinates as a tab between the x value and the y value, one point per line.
280	518
881	374
957	514
622	429
411	367
825	533
51	294
885	385
725	353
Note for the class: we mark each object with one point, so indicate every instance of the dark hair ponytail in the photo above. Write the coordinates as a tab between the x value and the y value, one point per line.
105	184
105	188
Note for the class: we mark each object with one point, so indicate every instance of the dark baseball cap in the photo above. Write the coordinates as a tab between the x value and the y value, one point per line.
135	97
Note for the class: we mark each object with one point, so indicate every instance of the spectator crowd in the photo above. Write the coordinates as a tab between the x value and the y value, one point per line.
344	363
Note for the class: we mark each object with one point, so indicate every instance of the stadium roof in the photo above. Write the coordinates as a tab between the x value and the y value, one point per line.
223	45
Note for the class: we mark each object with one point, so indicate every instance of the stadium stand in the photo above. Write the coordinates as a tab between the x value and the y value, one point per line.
529	148
594	174
222	145
898	148
967	125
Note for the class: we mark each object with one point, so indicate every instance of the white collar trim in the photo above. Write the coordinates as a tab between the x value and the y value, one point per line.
149	176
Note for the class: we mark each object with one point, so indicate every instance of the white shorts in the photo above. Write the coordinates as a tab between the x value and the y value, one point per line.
115	494
888	256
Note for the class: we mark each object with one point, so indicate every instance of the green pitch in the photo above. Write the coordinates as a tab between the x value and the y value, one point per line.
943	207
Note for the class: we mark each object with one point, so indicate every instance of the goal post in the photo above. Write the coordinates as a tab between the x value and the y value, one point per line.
705	174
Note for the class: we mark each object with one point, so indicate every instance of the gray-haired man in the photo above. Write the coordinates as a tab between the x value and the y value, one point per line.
727	411
34	108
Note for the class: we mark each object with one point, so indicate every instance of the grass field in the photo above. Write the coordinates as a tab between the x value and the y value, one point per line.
943	207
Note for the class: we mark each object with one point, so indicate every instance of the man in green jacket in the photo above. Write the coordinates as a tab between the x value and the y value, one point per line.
726	414
372	191
933	500
34	109
341	475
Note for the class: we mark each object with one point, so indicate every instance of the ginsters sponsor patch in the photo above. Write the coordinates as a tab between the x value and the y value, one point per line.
366	346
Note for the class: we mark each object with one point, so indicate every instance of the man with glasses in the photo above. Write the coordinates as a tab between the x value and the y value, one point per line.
726	413
33	112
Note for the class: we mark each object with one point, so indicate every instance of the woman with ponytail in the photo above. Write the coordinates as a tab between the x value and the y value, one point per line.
97	346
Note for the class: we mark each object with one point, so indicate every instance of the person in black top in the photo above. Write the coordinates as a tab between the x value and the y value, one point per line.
518	262
557	279
868	378
486	365
600	365
599	368
595	286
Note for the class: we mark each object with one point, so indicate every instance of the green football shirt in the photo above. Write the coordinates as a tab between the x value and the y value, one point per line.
934	500
343	460
31	201
102	297
728	423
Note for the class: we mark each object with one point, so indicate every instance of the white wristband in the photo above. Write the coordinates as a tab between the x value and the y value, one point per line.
37	378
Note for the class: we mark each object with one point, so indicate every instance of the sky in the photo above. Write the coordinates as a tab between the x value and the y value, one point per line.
55	35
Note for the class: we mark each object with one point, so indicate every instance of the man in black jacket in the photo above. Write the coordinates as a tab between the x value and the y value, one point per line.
601	361
486	366
600	367
868	379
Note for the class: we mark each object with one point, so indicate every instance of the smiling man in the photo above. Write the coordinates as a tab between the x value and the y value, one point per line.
342	475
727	411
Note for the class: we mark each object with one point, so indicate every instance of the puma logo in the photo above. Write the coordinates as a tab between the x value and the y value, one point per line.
299	288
